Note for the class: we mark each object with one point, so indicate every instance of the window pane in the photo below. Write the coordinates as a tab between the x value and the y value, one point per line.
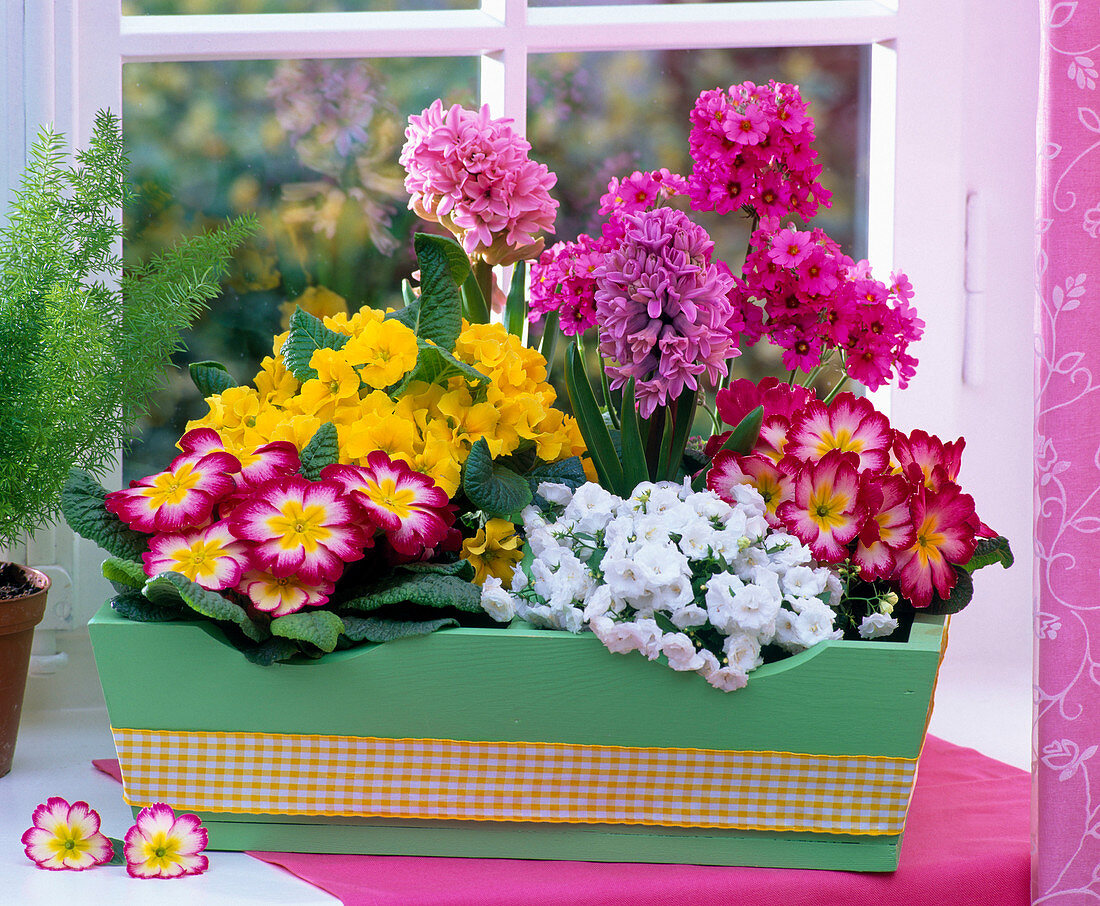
597	115
310	147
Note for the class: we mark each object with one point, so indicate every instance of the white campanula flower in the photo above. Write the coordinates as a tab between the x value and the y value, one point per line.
798	631
672	595
710	663
624	577
719	600
786	550
496	600
689	615
710	506
742	651
696	538
804	582
748	499
557	494
598	603
876	626
519	577
591	508
754	610
662	564
565	616
681	652
728	679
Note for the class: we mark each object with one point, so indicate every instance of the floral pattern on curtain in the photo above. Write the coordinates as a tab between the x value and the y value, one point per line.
1067	461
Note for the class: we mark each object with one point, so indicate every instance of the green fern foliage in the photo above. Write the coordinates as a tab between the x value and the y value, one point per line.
82	344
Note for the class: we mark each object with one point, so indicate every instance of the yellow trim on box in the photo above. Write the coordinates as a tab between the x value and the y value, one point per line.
443	779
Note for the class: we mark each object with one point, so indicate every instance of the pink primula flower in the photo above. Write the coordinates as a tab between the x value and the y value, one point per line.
212	557
280	595
924	458
824	513
181	497
410	508
257	465
889	530
303	528
66	836
850	424
945	524
164	845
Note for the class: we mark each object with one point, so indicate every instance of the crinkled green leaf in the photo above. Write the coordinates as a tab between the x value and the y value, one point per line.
569	472
492	486
82	504
444	267
320	628
990	551
124	572
436	366
133	606
461	568
211	378
430	589
307	335
958	599
171	586
368	629
270	651
322	450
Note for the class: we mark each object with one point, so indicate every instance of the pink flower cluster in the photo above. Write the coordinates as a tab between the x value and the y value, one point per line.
471	173
852	488
563	278
252	526
751	148
816	298
664	308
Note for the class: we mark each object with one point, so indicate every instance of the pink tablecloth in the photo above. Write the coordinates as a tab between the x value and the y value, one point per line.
966	842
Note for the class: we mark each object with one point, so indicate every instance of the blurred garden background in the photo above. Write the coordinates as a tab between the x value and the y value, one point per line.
311	148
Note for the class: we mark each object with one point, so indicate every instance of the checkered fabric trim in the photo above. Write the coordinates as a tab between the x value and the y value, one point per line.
514	781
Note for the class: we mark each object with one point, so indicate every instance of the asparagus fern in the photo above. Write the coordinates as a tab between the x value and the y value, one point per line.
83	345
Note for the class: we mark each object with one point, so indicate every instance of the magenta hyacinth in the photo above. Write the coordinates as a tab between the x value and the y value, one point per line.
664	308
471	173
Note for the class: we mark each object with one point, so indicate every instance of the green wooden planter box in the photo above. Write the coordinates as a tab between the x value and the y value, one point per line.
523	684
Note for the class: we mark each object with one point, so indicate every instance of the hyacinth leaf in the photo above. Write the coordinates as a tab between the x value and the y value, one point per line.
444	267
492	486
368	629
322	450
474	306
307	335
320	628
127	573
990	551
515	306
82	503
463	569
683	418
741	440
270	651
548	345
429	589
134	606
958	599
593	428
635	470
211	378
170	588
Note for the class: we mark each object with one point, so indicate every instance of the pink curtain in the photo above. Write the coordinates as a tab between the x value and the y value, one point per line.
1067	461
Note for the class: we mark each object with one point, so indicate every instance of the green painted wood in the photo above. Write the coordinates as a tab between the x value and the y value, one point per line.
869	698
573	842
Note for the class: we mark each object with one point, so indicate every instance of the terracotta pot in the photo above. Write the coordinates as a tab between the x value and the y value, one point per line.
18	617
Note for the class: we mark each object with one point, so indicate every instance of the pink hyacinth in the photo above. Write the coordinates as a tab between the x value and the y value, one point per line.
471	173
751	148
664	309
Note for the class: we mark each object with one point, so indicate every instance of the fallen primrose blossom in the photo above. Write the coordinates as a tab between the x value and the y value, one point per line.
66	837
165	845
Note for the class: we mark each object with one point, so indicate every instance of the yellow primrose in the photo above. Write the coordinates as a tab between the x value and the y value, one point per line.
350	325
494	551
274	383
394	436
386	350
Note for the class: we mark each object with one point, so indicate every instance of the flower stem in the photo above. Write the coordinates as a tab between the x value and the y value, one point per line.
483	274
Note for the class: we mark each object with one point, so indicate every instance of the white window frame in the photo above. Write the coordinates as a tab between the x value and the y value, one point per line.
73	52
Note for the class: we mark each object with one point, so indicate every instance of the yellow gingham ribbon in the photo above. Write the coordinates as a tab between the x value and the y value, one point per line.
265	773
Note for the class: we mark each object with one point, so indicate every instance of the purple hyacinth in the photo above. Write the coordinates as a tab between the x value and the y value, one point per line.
664	309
